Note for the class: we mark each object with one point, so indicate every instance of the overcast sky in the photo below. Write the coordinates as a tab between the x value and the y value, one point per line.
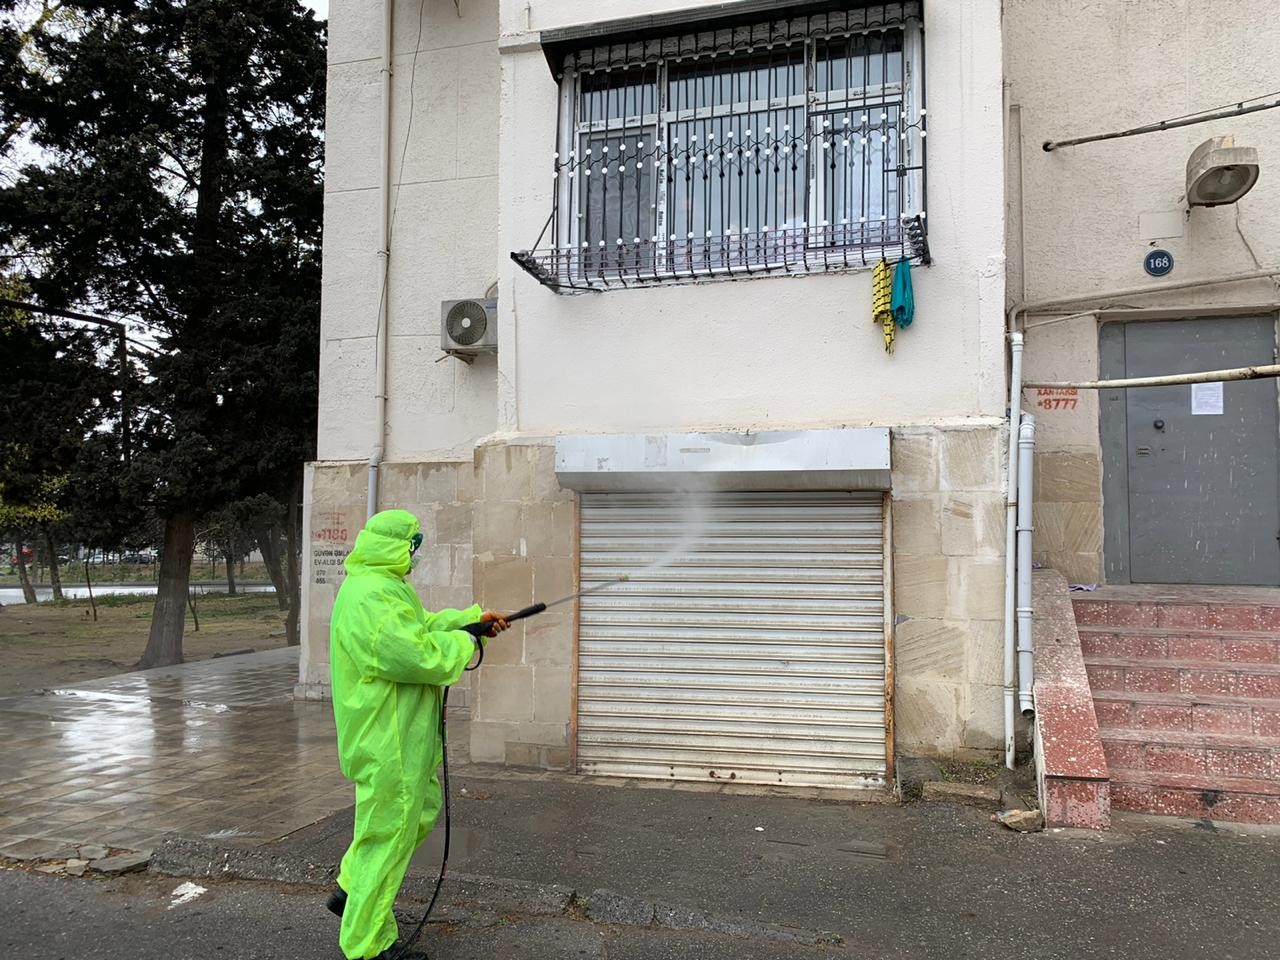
321	7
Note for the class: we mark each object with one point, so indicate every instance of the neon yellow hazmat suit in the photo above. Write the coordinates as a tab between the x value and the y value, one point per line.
389	660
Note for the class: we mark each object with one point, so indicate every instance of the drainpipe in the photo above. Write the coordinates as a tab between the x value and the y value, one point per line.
1015	404
1026	646
384	264
1010	566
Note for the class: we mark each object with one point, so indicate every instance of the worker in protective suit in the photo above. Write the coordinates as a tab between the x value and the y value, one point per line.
389	659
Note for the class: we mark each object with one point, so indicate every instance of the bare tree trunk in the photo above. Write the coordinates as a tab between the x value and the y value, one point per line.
28	591
292	534
269	544
164	645
88	582
229	550
55	577
191	604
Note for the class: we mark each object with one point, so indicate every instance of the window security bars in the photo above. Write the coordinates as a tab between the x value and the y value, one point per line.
788	146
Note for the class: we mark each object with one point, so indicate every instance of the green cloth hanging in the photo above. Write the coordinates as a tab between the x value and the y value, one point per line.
904	300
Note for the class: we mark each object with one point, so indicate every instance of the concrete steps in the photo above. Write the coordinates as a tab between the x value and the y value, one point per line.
1194	754
1193	795
1184	612
1230	646
1191	677
1186	692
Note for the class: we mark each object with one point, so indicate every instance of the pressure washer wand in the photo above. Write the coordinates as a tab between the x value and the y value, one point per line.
482	628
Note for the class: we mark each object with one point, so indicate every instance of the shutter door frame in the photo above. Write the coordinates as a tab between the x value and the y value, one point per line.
849	763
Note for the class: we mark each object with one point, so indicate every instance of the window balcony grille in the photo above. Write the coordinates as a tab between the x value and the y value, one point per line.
788	146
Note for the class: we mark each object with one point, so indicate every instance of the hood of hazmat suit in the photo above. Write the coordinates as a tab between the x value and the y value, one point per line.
389	659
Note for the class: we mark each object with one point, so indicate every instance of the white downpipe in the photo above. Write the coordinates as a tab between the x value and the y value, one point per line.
1026	645
1011	529
384	264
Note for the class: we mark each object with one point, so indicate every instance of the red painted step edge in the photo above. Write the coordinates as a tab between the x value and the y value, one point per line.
1171	795
1071	767
1158	613
1259	681
1158	643
1176	712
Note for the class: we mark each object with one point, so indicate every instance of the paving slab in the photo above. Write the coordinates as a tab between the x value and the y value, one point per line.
211	748
120	863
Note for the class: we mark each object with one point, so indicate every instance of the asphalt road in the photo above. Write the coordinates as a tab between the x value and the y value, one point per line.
928	881
136	918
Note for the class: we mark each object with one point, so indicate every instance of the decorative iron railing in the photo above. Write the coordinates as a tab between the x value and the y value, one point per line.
789	146
804	250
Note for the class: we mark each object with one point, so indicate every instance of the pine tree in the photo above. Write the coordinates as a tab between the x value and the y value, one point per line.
180	184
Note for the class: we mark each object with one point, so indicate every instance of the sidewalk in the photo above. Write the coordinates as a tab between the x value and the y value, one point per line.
214	747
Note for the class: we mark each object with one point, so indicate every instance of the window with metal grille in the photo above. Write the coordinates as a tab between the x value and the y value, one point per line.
786	145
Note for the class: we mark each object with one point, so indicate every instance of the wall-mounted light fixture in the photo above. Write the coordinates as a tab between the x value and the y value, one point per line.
1219	172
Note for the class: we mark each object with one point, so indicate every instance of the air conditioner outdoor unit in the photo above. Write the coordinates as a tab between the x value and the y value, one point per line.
468	327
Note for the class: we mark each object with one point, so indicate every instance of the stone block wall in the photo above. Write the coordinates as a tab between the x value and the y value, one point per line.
1067	512
948	517
1067	508
503	532
525	542
440	495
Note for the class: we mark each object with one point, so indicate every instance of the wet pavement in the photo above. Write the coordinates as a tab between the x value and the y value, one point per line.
920	880
216	749
149	918
220	750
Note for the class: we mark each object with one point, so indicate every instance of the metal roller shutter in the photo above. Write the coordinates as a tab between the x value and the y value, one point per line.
757	656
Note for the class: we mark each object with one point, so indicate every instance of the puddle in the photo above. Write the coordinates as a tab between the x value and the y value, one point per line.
463	845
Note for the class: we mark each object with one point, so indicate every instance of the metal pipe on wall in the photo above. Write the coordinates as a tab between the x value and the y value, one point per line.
1261	372
1010	565
1026	643
1262	273
384	258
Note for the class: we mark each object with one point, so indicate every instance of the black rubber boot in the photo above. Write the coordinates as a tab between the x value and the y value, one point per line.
337	902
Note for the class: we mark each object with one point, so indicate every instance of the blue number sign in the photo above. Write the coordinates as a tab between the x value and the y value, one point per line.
1158	263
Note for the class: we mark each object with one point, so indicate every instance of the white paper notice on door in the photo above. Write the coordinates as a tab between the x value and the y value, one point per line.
1206	399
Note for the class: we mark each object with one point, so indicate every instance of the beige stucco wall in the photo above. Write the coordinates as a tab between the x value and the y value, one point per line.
774	351
444	229
1080	69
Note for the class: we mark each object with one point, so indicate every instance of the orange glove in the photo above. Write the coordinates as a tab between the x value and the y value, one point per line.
499	624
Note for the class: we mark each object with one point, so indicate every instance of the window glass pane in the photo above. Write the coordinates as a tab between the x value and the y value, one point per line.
617	94
735	170
615	200
859	62
856	175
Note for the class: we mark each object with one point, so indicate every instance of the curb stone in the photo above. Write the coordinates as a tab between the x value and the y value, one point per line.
463	892
198	858
121	863
970	794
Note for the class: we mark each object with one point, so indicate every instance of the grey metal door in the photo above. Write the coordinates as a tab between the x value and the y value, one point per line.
755	655
1193	490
